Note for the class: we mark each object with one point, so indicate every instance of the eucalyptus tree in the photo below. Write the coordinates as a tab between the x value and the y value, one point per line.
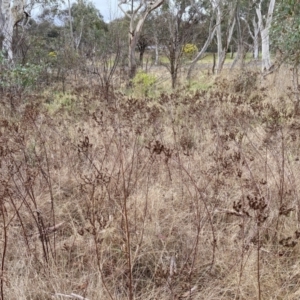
208	19
285	31
119	27
147	36
252	22
250	19
286	40
44	35
178	25
12	14
150	36
246	33
137	12
264	23
225	23
85	23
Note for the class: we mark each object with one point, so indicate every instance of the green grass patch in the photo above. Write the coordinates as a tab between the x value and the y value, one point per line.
59	100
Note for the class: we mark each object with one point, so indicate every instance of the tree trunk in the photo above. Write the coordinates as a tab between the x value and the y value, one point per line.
10	15
156	51
174	79
77	40
214	63
135	31
240	51
173	68
142	57
239	56
71	26
131	55
231	52
255	49
296	88
229	31
221	60
264	32
254	35
265	50
202	51
174	76
219	36
255	39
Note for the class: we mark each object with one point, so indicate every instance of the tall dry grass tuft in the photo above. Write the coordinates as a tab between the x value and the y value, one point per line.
190	195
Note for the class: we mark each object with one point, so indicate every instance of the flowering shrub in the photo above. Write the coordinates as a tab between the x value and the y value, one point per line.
189	50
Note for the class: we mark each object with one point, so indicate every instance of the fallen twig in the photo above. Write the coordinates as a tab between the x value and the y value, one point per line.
71	296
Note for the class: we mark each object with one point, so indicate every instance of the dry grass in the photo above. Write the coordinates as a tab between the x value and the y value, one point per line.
191	195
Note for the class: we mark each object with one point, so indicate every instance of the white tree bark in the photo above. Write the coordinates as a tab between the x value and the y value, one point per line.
141	11
11	13
156	51
71	25
264	32
223	45
265	49
219	33
211	34
77	39
254	35
255	38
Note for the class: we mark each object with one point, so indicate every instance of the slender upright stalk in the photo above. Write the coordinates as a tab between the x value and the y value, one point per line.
71	25
4	251
258	262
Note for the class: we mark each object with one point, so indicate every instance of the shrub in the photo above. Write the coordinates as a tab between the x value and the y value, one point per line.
20	76
52	54
143	82
189	50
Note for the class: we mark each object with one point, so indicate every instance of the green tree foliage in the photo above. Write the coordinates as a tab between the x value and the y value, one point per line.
286	31
44	35
118	28
87	23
